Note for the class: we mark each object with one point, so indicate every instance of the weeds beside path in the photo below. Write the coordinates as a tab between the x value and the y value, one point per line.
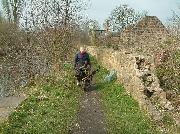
51	108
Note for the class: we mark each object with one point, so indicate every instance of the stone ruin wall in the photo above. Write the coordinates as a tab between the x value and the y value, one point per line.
149	27
147	36
135	72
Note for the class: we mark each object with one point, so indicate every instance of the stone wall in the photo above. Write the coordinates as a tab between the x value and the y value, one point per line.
149	27
135	72
148	36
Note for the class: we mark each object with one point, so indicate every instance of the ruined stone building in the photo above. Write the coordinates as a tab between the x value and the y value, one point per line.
145	37
150	27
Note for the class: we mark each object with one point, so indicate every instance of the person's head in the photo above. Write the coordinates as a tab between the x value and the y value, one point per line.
82	49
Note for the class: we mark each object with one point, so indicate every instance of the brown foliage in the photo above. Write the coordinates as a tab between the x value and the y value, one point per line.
168	71
26	56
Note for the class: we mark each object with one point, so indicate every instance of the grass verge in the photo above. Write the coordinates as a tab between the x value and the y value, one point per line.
51	108
123	115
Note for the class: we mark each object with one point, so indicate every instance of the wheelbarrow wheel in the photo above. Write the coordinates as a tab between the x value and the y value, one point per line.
86	85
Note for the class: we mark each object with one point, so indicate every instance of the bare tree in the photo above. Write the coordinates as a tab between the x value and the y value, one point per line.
53	13
13	9
123	16
175	23
7	11
1	17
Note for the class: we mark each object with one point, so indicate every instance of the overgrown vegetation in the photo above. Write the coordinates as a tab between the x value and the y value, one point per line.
26	56
36	37
50	108
122	113
168	72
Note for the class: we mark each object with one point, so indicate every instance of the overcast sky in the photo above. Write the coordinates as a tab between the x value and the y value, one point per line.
100	9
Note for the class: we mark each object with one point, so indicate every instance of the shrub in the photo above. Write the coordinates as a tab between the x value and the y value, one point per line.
168	72
25	56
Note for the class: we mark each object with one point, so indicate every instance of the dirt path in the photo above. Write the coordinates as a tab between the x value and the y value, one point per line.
90	118
8	104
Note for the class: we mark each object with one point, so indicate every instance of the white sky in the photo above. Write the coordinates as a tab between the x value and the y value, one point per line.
101	9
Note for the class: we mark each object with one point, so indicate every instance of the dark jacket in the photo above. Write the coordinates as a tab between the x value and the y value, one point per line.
81	59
